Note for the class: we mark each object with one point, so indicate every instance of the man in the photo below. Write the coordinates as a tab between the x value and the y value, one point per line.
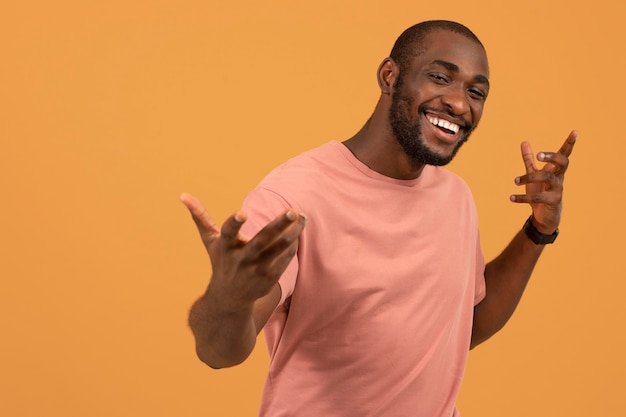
370	309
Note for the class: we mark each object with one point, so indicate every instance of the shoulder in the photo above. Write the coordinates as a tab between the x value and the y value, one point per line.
298	179
447	179
314	160
309	169
298	183
450	190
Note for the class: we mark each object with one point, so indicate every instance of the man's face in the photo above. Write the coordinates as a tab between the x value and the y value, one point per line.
438	101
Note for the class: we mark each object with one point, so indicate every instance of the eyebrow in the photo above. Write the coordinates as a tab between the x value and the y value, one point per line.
455	68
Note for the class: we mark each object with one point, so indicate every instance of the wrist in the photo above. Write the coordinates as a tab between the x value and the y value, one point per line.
223	302
539	236
546	230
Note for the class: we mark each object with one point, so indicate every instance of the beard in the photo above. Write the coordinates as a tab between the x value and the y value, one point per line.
409	133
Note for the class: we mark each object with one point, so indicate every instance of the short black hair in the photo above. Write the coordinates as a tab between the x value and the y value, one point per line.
411	42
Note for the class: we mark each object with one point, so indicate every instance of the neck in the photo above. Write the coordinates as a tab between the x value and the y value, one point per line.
376	146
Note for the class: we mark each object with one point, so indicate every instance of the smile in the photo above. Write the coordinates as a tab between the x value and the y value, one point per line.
452	128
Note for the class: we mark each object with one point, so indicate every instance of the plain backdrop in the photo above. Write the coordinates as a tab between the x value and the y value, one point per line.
110	109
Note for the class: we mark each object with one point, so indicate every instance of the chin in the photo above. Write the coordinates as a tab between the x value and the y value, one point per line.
423	154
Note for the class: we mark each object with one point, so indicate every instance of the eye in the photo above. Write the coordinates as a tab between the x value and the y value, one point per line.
439	78
477	94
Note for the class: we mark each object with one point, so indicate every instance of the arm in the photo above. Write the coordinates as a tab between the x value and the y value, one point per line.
243	290
507	275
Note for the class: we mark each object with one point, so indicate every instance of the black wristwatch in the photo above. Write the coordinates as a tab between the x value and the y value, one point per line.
536	236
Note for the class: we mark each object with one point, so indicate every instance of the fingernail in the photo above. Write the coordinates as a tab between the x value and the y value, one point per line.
541	156
518	180
238	218
304	216
291	215
512	198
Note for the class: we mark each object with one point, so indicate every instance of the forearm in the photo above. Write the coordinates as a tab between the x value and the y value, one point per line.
223	337
506	278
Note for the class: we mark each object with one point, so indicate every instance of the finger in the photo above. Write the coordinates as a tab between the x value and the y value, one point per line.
540	177
548	198
282	241
280	263
260	242
231	227
204	222
568	145
528	157
558	162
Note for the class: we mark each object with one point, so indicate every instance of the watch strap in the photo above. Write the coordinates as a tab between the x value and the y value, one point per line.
536	236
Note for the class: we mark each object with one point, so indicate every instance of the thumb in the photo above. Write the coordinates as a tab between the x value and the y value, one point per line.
206	226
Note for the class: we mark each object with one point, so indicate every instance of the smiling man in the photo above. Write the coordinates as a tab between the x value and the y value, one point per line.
434	86
371	301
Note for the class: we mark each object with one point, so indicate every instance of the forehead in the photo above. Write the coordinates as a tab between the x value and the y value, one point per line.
458	49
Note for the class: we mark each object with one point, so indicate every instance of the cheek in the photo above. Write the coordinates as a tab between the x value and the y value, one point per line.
405	108
477	112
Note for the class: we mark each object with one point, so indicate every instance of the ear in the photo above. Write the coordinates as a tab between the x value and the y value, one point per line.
387	74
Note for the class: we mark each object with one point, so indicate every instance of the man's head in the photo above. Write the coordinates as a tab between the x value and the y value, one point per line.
439	82
412	42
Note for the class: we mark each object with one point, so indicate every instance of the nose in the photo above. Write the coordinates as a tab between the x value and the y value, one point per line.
456	102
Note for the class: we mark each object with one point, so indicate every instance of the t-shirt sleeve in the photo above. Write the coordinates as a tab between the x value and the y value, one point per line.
262	206
480	286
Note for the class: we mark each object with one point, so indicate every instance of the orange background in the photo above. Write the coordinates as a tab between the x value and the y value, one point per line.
110	109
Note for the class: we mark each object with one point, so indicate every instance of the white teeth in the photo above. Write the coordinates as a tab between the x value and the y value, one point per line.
444	123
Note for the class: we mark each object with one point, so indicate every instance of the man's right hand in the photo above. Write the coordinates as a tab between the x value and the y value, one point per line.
246	270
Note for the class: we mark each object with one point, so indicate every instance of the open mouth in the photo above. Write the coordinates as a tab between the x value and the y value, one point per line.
444	125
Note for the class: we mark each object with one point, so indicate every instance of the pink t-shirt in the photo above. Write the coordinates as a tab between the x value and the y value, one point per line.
376	311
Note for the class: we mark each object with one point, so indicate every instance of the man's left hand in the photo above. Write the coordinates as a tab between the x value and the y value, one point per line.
544	187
